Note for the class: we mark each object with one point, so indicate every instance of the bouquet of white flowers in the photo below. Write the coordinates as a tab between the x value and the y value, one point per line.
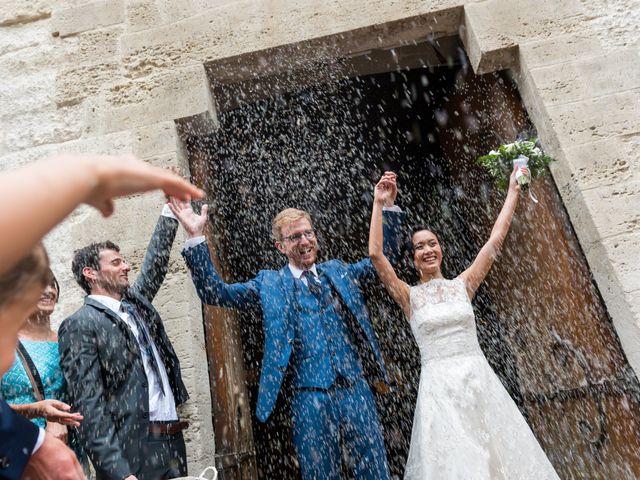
519	154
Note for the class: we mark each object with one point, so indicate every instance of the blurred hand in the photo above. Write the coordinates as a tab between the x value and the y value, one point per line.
117	176
131	477
58	431
53	461
192	223
59	412
386	190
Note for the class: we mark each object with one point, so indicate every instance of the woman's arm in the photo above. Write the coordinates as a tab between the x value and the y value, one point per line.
51	189
475	274
398	289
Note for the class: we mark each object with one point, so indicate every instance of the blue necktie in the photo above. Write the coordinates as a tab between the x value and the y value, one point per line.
144	340
313	283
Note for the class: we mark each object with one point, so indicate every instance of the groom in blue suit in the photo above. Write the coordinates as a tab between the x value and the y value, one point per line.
318	333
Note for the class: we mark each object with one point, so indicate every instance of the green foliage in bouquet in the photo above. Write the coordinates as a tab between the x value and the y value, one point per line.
499	163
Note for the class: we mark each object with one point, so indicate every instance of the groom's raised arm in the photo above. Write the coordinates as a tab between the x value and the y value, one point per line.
210	286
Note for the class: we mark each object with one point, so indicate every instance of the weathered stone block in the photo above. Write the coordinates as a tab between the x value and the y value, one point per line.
142	15
227	30
561	49
19	37
17	12
96	46
74	84
89	16
494	28
40	127
157	139
615	71
27	93
583	121
624	251
181	93
614	209
606	162
115	143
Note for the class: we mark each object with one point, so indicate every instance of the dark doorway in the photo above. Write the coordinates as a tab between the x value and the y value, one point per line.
322	149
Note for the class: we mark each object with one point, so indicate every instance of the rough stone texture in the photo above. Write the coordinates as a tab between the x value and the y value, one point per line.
89	16
120	75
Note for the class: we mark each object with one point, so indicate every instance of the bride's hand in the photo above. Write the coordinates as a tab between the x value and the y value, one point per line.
514	186
386	190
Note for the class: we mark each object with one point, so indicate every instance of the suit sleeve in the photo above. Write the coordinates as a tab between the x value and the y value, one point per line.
156	260
18	437
392	222
81	367
211	289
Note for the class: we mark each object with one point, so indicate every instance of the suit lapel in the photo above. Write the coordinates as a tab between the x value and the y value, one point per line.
290	290
339	285
117	321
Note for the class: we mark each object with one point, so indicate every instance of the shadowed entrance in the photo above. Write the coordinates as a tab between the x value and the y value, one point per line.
541	321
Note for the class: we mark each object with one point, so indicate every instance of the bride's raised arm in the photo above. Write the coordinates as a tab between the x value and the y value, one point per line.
475	274
399	290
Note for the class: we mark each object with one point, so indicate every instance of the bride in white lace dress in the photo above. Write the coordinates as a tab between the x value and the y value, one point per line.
466	426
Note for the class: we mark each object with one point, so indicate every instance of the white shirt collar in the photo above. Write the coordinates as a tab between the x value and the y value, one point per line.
109	302
297	273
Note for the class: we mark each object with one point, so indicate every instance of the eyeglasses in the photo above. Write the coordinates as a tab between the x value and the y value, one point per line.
296	237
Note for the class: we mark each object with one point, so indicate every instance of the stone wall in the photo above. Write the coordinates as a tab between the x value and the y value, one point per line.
114	76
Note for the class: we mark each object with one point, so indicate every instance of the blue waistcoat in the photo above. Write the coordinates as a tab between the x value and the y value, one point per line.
323	349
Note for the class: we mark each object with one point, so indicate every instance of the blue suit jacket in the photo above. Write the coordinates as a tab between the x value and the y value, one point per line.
18	436
275	291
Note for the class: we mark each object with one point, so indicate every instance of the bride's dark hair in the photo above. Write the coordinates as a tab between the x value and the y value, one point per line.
415	229
408	268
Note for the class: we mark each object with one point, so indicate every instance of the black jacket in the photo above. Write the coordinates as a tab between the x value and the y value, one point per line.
105	376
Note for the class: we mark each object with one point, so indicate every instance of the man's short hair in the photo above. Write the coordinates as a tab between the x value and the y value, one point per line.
89	256
32	270
285	217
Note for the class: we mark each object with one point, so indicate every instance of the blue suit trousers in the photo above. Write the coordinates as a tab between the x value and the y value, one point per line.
338	424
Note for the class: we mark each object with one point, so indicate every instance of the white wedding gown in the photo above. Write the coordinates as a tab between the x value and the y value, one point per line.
466	426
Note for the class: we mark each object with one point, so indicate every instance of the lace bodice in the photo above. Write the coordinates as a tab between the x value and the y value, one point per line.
442	320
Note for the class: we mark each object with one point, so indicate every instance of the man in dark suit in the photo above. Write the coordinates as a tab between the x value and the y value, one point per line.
120	367
318	334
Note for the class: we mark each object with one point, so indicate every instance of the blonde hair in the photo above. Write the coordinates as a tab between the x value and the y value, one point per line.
285	217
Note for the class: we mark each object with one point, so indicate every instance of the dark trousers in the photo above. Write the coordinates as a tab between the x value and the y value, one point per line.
164	456
338	424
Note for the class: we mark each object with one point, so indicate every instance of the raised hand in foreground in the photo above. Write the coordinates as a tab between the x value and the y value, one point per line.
37	197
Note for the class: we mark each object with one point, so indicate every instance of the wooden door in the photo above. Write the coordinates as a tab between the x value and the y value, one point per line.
542	323
572	379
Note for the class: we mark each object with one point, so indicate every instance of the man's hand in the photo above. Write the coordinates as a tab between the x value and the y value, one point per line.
386	190
59	412
53	461
192	223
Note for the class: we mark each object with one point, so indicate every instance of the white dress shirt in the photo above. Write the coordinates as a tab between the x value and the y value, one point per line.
162	406
297	273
